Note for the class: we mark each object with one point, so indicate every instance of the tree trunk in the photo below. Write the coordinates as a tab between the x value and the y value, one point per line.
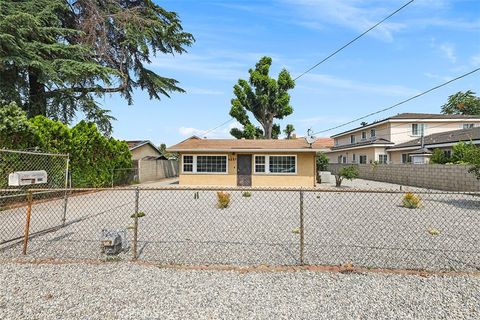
338	181
37	104
267	127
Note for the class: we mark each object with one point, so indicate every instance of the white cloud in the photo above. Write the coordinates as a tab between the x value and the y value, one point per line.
353	14
437	77
448	50
346	84
218	133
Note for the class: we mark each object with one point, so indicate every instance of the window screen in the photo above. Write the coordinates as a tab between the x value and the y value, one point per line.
187	163
282	164
259	163
212	164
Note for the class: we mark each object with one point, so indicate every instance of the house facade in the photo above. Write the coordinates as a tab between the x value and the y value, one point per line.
378	141
232	162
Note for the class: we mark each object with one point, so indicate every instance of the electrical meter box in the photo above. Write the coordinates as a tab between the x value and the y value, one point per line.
25	178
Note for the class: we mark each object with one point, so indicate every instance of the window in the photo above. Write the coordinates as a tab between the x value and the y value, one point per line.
405	158
187	163
382	158
344	159
468	125
205	164
282	164
363	159
336	142
373	133
340	159
210	164
352	139
260	164
447	153
418	129
354	158
364	135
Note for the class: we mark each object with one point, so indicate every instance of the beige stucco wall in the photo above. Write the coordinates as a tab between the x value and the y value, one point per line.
305	175
144	151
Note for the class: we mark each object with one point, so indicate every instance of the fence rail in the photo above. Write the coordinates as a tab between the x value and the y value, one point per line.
281	226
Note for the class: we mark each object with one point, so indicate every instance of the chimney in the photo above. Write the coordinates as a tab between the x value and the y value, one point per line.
294	136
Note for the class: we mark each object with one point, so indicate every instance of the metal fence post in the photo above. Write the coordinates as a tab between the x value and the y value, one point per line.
26	231
302	238
65	196
135	224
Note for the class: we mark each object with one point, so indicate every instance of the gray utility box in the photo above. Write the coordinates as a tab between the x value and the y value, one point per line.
114	241
325	177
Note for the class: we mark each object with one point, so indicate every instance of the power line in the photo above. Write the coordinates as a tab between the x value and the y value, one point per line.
401	102
355	39
332	54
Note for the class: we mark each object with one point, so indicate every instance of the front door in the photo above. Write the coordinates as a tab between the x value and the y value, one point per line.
244	170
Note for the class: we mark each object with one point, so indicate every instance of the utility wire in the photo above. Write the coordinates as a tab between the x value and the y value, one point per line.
355	39
331	55
401	102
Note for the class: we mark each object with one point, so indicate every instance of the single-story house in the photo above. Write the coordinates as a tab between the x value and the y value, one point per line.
420	150
143	149
232	162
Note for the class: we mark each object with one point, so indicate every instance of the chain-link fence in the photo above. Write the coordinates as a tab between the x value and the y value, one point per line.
372	229
14	198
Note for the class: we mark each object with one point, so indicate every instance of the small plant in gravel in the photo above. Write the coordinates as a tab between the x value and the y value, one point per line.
196	196
411	200
434	231
246	194
296	230
223	199
139	214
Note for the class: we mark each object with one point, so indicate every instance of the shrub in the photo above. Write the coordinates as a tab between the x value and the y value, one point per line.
348	173
223	199
246	194
411	200
439	157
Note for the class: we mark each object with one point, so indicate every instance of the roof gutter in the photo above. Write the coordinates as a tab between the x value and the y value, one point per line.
305	150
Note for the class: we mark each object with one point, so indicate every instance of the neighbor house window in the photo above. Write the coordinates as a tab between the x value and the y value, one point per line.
447	153
187	163
344	159
418	129
340	159
405	158
373	133
260	164
352	139
364	135
468	125
205	164
275	164
382	158
363	159
335	142
354	158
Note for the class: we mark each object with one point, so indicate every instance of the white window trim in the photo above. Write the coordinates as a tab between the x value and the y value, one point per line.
373	130
361	136
195	163
418	134
380	155
366	159
267	165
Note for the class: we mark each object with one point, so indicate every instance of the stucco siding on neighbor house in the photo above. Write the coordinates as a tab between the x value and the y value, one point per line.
305	175
144	151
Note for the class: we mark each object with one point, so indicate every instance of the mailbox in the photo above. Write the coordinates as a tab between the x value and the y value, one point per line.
25	178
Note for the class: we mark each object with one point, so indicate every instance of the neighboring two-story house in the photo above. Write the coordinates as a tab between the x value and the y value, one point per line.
377	141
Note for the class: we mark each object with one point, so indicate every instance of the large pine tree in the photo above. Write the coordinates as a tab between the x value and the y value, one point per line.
58	57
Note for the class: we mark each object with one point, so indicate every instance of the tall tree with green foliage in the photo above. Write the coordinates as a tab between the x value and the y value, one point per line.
289	130
265	98
462	103
58	57
16	132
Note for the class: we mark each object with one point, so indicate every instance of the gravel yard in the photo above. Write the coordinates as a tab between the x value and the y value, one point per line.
182	227
130	291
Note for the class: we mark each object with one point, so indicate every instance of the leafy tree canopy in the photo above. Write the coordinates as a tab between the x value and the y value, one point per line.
265	98
289	130
16	132
58	57
462	103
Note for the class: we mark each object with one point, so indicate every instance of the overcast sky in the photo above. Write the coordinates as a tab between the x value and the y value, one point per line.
425	44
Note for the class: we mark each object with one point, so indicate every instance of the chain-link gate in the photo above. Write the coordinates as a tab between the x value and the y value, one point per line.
14	199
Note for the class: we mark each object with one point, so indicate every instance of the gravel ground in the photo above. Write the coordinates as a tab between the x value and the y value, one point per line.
127	291
366	229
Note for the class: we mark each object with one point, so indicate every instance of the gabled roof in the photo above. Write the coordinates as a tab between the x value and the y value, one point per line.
134	144
442	138
196	144
413	116
370	142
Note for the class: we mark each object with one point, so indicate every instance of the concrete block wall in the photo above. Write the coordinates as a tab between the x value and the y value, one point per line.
151	170
431	176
